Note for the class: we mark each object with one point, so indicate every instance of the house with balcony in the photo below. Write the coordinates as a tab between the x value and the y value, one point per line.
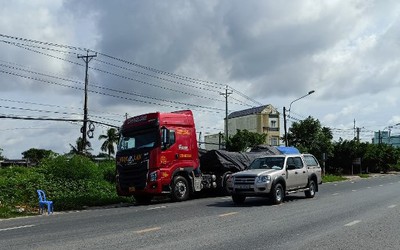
263	119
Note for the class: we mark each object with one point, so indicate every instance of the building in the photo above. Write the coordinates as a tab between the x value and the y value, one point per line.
263	119
384	137
214	141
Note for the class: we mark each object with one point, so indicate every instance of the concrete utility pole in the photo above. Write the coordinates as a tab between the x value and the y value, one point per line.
290	106
284	126
226	94
86	59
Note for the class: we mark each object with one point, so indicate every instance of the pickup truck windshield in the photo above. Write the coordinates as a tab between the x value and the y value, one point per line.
267	163
147	139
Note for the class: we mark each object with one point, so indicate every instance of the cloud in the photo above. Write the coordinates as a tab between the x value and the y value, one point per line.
181	54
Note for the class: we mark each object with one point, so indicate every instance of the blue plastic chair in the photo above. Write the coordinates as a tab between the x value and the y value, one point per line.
44	202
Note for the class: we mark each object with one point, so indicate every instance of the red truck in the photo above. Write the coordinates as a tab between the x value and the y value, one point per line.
158	155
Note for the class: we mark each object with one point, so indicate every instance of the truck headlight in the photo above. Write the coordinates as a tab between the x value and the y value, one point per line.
153	176
263	179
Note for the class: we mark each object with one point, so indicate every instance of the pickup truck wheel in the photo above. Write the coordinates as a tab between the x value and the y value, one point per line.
310	193
238	199
180	189
277	194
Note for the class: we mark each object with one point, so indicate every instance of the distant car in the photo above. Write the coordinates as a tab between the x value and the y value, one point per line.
275	176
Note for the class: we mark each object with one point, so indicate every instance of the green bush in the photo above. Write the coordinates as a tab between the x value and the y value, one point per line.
70	182
107	169
76	167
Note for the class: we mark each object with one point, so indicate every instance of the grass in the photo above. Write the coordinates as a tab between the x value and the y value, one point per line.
332	178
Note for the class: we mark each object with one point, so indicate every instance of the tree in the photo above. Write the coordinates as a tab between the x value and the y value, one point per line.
35	155
111	138
1	154
244	139
78	149
309	136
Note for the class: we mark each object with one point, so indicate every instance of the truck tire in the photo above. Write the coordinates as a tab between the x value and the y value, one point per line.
180	189
238	199
278	194
142	199
312	186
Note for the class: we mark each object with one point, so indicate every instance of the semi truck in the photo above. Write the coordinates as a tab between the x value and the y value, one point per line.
158	155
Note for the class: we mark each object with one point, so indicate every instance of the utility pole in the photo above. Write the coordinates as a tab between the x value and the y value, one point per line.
284	126
226	94
86	59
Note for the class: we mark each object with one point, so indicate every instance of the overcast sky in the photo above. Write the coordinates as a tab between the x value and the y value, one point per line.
180	54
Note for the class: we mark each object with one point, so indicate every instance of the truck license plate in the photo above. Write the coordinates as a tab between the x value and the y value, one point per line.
132	189
242	186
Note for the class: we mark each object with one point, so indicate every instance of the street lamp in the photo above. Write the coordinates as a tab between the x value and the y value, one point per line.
290	106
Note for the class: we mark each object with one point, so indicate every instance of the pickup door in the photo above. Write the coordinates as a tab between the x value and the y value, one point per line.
297	177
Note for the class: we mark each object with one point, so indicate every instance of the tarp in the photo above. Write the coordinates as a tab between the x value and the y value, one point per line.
221	161
288	150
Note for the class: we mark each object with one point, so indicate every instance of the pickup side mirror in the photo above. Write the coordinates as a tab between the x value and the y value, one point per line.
291	166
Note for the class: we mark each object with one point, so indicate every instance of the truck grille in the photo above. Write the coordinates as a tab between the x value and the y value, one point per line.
244	180
244	183
133	175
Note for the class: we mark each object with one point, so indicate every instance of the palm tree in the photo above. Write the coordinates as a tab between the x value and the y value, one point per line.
111	138
79	149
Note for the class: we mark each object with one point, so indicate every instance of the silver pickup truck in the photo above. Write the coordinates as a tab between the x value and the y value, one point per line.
275	176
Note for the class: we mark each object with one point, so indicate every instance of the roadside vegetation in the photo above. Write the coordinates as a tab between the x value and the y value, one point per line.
71	182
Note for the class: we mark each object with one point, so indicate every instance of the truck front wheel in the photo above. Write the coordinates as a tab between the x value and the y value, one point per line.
238	199
278	194
180	189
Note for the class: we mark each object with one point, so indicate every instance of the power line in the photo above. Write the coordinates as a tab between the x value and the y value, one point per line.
185	78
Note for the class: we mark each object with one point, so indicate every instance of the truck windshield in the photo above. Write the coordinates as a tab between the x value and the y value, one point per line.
147	139
267	163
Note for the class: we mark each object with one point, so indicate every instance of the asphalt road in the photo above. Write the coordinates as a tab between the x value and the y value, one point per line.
361	214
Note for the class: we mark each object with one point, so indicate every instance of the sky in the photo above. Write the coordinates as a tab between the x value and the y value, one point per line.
169	55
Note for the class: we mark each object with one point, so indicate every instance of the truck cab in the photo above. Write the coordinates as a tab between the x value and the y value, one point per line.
158	154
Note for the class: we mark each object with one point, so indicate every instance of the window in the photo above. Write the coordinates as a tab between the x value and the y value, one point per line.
311	161
295	161
273	124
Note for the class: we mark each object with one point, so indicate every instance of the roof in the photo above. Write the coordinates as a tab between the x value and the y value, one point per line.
250	111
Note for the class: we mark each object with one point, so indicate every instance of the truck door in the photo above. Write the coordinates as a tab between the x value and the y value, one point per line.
296	177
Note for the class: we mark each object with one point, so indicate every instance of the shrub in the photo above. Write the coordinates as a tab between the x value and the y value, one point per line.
75	168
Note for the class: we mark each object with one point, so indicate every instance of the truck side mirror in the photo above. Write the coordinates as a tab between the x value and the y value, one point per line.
164	138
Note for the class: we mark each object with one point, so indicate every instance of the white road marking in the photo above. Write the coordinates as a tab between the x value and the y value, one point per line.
335	194
148	230
353	190
154	208
352	223
226	198
392	206
13	228
227	214
381	185
368	187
